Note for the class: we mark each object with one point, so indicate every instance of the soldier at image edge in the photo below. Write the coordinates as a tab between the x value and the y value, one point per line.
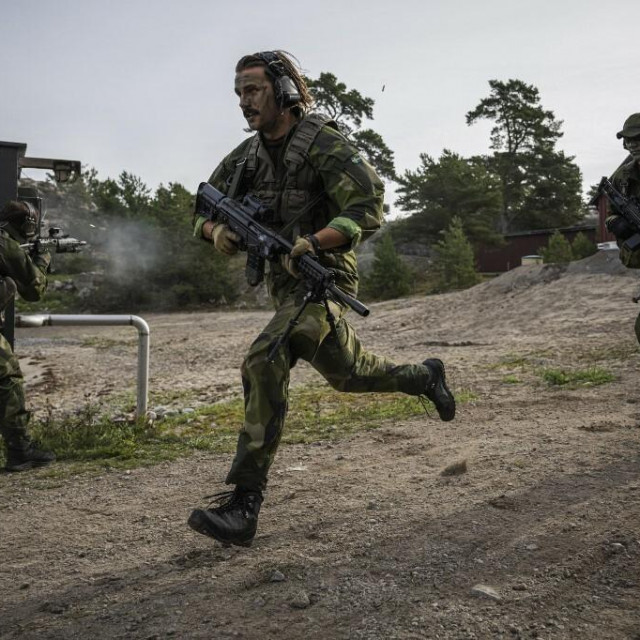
26	275
325	198
626	179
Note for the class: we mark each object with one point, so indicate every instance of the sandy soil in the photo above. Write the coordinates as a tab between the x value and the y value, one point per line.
364	538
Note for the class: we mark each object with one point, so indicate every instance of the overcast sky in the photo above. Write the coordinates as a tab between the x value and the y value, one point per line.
146	86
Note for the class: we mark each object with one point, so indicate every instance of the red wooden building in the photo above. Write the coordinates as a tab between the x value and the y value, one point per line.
527	243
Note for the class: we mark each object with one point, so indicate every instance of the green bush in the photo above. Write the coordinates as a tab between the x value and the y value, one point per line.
390	277
558	249
582	247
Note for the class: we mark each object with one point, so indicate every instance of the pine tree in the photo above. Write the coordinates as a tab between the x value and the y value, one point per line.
390	277
558	249
582	247
540	185
442	189
348	108
456	263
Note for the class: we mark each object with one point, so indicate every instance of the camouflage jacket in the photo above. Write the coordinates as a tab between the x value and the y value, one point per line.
626	179
318	180
29	275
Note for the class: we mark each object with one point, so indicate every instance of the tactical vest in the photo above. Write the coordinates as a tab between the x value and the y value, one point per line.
295	196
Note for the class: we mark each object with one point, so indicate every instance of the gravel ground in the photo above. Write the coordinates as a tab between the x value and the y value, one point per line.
520	519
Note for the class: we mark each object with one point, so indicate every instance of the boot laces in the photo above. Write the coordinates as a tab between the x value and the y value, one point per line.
223	501
228	501
425	404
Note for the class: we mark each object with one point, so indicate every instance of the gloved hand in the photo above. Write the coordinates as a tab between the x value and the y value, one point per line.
42	260
225	240
301	246
620	228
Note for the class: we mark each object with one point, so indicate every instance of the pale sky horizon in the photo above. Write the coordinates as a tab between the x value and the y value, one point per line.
147	87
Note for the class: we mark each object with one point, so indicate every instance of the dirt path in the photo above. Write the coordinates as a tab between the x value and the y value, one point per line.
364	538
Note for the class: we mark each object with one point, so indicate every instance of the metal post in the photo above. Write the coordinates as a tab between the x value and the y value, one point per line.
40	320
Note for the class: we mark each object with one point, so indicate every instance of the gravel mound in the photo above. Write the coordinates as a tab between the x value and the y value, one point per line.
603	262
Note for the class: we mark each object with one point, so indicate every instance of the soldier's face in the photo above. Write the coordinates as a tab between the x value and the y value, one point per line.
257	99
632	145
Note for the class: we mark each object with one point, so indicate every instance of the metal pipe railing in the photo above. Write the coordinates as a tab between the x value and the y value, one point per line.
41	320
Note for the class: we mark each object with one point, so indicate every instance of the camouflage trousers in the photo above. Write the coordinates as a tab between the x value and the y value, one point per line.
13	415
340	358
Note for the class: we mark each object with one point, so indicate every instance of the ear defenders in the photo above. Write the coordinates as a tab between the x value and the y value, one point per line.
286	92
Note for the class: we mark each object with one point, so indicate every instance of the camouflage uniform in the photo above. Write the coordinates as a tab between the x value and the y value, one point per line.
626	179
28	276
316	162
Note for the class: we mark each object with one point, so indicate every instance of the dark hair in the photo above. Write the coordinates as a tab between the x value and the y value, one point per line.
291	68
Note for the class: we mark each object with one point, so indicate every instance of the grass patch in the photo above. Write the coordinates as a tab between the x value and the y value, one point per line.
510	361
88	441
592	376
53	302
511	380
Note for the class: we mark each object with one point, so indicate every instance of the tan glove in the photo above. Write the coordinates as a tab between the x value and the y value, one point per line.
300	247
225	240
42	261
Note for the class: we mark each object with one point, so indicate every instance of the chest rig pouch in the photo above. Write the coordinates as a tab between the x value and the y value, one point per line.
291	190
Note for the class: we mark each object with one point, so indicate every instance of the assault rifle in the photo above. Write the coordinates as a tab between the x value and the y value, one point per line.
262	243
625	207
56	240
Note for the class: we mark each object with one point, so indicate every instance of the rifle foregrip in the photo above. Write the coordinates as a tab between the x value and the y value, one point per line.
254	270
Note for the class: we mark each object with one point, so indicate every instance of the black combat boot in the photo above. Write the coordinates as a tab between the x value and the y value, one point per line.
26	455
233	521
437	390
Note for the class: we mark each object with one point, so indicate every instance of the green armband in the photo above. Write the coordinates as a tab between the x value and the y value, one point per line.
197	226
347	228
